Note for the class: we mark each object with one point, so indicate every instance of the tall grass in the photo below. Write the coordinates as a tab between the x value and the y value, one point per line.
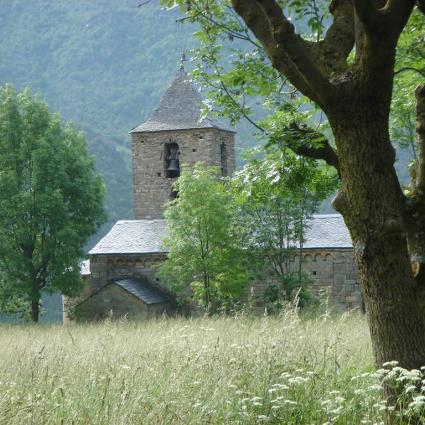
279	370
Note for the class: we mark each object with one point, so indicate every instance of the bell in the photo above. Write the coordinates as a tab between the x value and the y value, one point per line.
173	169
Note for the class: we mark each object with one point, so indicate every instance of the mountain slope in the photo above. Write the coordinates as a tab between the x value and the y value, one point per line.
103	64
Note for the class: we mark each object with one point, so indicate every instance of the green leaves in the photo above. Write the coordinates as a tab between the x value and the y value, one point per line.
50	198
203	241
410	71
275	196
222	233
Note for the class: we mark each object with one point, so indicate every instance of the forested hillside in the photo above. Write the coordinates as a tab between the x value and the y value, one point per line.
103	64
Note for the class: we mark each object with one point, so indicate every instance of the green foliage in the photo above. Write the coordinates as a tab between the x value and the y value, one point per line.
276	196
291	287
245	85
410	71
202	241
219	234
51	200
104	64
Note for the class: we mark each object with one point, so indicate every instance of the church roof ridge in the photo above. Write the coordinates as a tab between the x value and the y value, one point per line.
179	109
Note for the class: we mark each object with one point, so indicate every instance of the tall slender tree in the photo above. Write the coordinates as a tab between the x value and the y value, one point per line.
203	242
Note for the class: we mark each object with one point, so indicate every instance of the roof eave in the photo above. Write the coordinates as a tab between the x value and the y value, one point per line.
134	130
326	247
128	253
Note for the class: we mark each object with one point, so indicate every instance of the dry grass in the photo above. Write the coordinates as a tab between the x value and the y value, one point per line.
214	370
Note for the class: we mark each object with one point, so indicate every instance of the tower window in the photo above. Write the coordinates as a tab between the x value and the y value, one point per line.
172	162
223	159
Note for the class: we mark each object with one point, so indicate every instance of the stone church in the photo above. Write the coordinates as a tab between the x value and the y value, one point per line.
119	274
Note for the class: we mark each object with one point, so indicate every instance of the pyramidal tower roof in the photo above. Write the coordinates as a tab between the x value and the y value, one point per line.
179	109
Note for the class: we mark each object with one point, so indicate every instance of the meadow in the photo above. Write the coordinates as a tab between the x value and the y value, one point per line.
278	370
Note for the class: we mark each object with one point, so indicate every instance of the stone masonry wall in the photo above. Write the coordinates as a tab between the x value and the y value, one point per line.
105	268
333	273
151	188
118	302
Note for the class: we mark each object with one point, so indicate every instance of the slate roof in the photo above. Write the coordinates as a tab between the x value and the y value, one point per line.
132	237
143	290
327	231
144	236
179	109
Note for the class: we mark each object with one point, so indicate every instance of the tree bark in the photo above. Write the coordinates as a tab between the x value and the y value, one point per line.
35	310
373	206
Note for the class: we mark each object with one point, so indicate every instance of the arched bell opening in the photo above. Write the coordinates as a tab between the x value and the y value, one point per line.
172	161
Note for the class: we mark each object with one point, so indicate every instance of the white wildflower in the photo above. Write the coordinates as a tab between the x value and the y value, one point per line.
418	402
298	380
375	387
337	411
390	364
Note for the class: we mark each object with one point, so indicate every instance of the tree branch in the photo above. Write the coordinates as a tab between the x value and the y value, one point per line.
324	152
340	37
368	14
288	52
391	17
410	68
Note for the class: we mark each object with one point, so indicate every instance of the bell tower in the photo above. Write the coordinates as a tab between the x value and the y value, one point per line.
174	135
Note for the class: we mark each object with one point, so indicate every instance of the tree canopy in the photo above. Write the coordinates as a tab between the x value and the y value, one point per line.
51	200
276	196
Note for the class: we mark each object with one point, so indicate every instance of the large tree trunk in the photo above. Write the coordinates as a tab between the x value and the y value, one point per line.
373	206
35	311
